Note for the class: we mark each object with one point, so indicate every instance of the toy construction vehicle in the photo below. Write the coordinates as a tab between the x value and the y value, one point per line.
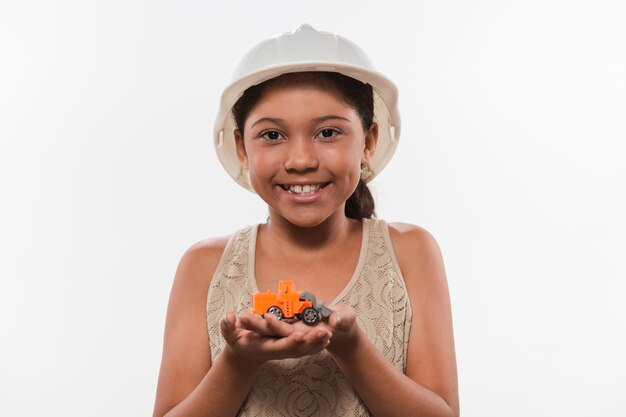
289	304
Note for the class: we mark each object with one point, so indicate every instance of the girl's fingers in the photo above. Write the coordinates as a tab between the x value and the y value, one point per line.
343	318
279	328
271	338
317	336
299	344
228	328
310	335
255	324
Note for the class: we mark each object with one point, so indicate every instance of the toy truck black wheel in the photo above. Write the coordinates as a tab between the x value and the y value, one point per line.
310	315
275	310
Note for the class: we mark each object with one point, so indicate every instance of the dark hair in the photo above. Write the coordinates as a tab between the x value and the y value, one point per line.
355	93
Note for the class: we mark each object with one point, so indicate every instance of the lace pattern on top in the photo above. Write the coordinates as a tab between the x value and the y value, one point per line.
314	385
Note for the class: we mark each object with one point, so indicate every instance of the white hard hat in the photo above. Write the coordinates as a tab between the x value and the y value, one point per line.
303	50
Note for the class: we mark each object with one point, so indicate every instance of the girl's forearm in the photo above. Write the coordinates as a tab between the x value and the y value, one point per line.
222	390
384	389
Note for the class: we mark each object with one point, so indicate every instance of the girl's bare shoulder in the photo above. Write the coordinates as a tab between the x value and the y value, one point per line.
207	250
199	262
410	238
417	251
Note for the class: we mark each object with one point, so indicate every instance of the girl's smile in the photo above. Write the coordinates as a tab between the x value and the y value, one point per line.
304	193
303	189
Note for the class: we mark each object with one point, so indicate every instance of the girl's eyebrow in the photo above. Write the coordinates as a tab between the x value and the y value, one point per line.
329	117
314	121
268	119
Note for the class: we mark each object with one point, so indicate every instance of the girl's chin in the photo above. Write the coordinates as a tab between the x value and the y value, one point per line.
301	221
300	218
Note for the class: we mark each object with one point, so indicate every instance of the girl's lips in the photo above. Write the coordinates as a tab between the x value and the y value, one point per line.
305	188
300	193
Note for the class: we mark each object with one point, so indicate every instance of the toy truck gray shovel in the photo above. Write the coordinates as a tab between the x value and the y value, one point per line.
323	312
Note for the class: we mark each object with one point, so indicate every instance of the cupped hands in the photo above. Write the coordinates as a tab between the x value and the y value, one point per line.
255	339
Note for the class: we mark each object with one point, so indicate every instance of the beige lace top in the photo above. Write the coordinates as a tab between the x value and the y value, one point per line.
314	385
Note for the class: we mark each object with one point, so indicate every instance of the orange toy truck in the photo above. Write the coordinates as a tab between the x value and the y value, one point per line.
288	303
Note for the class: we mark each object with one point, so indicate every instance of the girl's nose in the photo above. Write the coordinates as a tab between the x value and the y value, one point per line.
301	155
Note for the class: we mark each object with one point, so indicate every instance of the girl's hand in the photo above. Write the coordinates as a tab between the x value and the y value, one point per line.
344	327
256	340
341	326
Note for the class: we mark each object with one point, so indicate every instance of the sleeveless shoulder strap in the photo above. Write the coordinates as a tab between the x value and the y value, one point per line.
230	286
380	298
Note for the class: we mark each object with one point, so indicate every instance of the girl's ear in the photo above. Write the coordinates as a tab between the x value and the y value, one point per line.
371	138
241	148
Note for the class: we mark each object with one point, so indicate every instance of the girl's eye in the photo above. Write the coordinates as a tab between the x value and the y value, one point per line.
271	135
328	133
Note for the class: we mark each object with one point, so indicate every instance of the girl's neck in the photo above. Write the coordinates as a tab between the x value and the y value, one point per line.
321	259
334	230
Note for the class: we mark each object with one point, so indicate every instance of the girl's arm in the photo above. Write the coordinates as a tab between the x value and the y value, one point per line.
429	387
188	383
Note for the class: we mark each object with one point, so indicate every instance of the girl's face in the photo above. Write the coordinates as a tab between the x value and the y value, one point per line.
304	148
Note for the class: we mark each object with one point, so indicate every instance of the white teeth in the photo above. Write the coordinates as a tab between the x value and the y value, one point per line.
304	189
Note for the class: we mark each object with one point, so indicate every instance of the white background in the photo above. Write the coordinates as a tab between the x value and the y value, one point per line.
512	156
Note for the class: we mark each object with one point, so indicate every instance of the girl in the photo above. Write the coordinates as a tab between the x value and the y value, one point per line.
305	125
